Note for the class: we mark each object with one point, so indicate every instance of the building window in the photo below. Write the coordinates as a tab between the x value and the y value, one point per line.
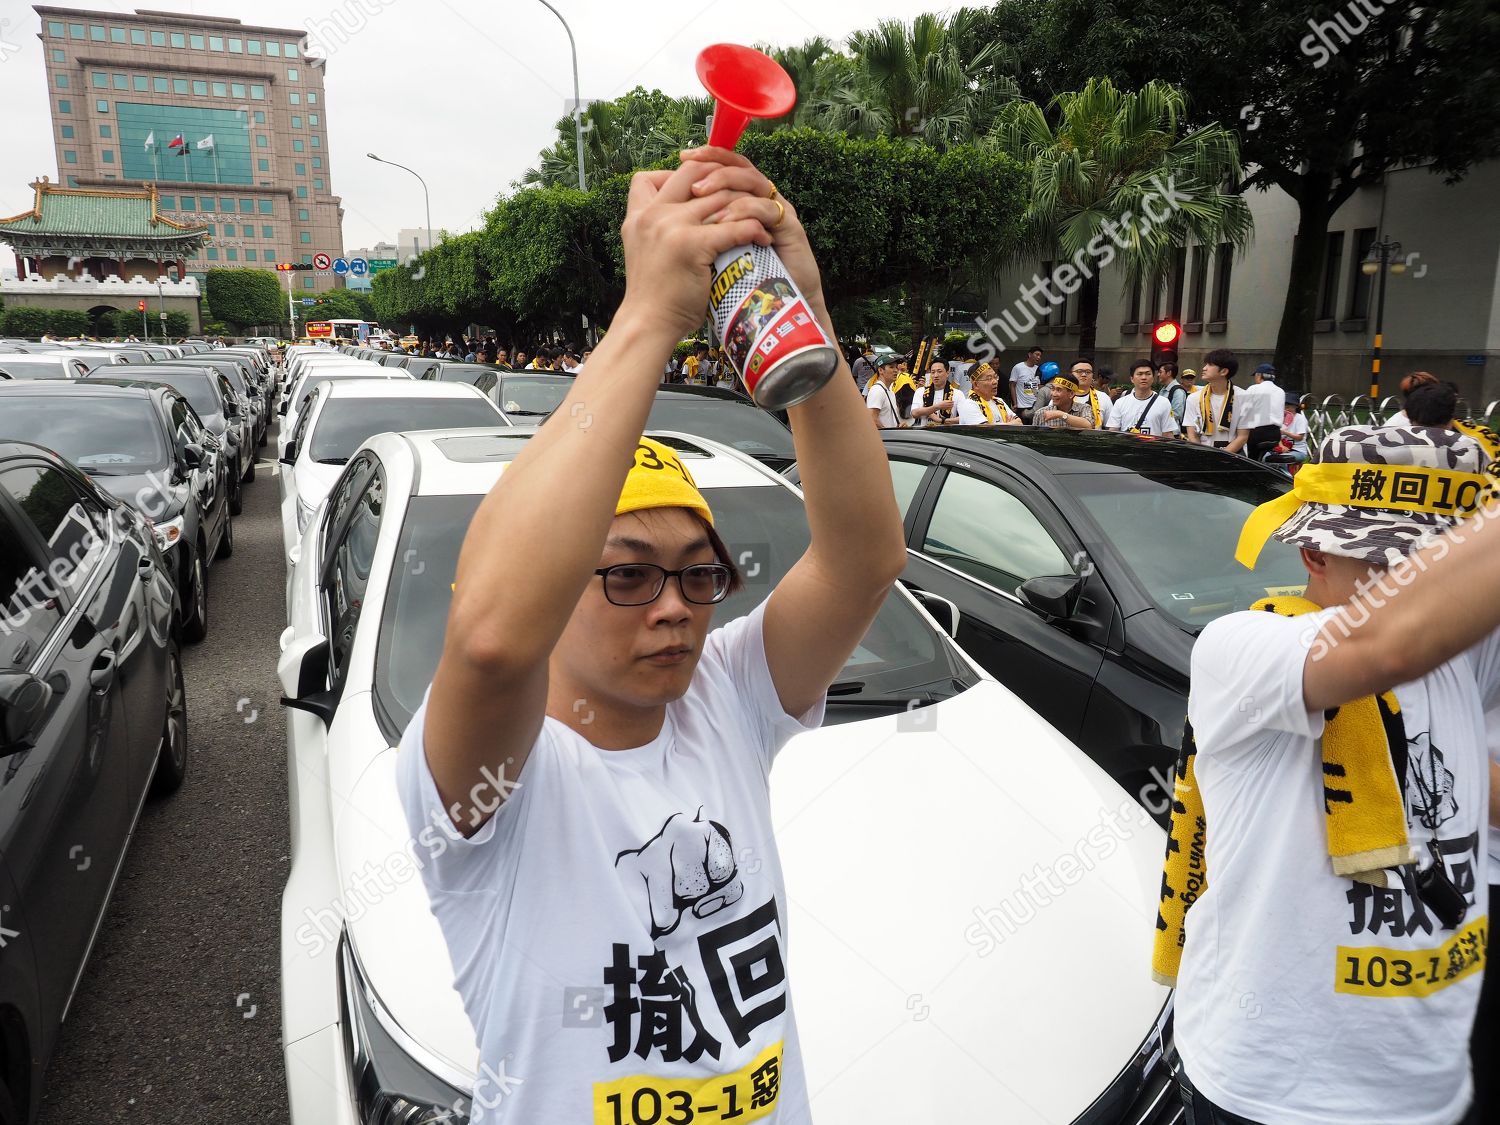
267	206
292	75
302	214
312	98
260	140
206	202
298	145
258	93
106	132
226	205
299	169
236	47
195	42
307	283
247	206
267	233
212	228
59	56
141	82
138	37
318	185
301	191
121	81
317	141
109	156
75	30
1177	280
252	46
70	157
317	162
1361	283
67	132
179	40
221	89
1221	282
232	254
273	48
96	33
247	230
167	202
1199	284
109	175
72	181
188	203
296	122
304	237
158	39
249	255
200	87
312	119
262	164
64	106
288	49
100	79
1333	264
117	35
215	42
54	29
260	117
179	85
307	259
212	254
237	89
294	98
62	81
101	106
161	85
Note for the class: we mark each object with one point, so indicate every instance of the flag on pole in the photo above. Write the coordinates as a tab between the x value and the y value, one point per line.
207	142
176	141
151	140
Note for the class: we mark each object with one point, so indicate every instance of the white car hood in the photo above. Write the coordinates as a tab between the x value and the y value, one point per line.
896	844
313	481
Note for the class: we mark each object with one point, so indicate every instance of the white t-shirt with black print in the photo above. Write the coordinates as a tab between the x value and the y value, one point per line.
1304	997
1149	415
1024	382
641	888
882	399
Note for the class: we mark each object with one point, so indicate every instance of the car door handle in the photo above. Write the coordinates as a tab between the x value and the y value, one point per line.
102	674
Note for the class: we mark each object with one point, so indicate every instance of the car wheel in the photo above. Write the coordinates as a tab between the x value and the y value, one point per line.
236	501
195	599
172	753
226	541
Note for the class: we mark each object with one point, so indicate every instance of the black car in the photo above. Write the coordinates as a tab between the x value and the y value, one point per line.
215	402
1083	565
93	717
243	391
143	444
240	368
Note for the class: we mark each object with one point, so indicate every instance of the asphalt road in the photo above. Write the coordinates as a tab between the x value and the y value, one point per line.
177	1018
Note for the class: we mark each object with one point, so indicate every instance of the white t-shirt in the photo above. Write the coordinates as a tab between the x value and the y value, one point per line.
1298	426
880	398
1192	417
958	375
1399	419
1300	993
950	394
971	413
1260	404
639	890
1024	382
1129	411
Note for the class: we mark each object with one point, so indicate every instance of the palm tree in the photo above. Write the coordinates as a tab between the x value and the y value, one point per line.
1109	153
919	82
636	130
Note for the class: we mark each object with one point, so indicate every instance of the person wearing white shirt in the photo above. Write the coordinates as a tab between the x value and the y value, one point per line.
1024	381
1259	416
880	399
1294	427
1143	411
983	405
1090	393
935	403
1209	417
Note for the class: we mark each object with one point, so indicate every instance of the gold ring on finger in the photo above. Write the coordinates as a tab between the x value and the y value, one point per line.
780	213
773	192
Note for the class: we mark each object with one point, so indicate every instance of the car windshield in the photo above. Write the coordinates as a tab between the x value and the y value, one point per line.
105	437
531	395
470	374
33	367
197	387
345	424
901	656
739	425
1158	523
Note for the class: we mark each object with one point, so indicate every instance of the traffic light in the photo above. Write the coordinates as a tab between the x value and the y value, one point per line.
283	267
1164	337
140	306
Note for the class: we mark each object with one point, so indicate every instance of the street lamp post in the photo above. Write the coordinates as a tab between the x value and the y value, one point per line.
583	184
1383	258
426	199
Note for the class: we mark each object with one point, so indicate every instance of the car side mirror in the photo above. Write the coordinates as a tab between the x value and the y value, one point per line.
231	410
1054	596
283	408
23	710
944	611
289	455
303	671
192	455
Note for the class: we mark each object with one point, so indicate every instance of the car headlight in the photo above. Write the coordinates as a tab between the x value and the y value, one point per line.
304	516
391	1086
167	532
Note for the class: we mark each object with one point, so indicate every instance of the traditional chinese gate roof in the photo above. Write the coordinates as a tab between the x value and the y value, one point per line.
109	222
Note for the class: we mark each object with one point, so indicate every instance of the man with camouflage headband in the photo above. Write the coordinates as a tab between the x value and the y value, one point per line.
1325	898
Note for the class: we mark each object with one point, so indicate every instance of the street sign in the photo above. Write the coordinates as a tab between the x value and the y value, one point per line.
162	315
321	261
340	266
359	267
1473	361
378	264
307	300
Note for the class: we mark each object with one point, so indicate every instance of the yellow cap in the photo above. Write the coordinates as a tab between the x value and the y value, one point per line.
659	479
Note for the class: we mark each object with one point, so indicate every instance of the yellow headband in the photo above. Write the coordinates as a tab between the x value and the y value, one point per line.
1388	488
1064	381
658	479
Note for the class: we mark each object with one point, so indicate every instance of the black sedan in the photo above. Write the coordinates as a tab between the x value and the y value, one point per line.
1083	565
93	716
143	444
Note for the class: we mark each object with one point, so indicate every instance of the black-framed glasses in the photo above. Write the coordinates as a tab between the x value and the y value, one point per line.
631	584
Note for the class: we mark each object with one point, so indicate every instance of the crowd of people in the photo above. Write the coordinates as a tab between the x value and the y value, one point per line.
566	358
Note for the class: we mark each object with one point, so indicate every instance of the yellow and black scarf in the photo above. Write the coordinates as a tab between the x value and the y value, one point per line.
989	414
1206	409
1364	768
1093	400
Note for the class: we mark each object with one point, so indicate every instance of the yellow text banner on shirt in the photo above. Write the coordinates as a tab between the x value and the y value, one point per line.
1373	971
748	1094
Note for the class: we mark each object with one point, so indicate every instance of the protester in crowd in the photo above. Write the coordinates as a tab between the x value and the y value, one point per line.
1144	410
1091	392
936	403
1066	409
1432	404
880	399
1326	854
522	360
960	370
983	406
864	368
905	389
502	357
1258	415
587	868
692	364
1210	414
1025	381
1173	390
1408	384
1293	429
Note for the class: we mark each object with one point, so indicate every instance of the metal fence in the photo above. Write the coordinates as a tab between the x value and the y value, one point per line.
1332	412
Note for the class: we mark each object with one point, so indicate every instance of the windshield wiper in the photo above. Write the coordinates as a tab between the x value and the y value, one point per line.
333	460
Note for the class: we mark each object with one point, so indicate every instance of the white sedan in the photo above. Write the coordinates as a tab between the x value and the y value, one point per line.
311	376
936	979
342	414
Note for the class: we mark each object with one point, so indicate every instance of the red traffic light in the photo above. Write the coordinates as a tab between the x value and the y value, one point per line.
140	306
1166	333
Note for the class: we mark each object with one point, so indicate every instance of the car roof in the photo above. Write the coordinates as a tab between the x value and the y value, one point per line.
462	462
126	373
400	388
1069	452
94	388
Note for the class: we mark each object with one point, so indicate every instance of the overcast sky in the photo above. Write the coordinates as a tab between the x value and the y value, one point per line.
467	92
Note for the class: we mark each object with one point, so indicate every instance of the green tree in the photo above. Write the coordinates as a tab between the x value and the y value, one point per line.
336	304
640	129
245	297
1320	114
179	324
1112	163
68	322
